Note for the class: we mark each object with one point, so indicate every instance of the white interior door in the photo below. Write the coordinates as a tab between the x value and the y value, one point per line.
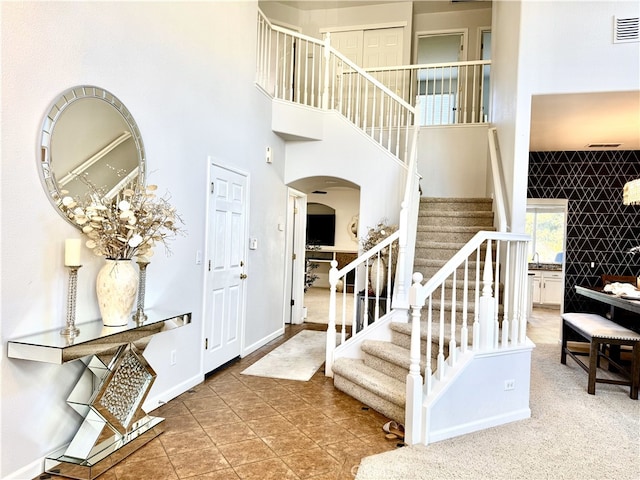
225	303
382	47
295	257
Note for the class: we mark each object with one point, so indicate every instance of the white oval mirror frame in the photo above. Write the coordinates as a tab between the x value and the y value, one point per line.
89	136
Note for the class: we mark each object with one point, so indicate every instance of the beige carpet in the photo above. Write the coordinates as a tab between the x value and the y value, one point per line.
570	435
296	359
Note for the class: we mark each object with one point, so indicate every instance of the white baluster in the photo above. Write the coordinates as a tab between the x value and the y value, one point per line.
464	331
452	341
506	299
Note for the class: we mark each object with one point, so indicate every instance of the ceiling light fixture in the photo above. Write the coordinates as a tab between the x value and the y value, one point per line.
631	192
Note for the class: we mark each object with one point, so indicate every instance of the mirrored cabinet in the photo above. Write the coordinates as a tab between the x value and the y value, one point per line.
110	392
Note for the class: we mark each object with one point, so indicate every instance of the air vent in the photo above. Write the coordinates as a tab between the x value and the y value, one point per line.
604	145
626	30
319	192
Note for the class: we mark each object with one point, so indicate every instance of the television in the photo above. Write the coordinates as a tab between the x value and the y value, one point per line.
321	229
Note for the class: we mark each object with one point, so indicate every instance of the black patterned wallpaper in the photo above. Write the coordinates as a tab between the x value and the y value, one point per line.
600	228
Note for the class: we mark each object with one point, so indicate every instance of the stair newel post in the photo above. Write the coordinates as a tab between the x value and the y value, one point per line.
487	303
506	299
327	60
331	327
413	407
518	329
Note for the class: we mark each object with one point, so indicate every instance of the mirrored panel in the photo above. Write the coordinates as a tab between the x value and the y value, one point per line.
89	138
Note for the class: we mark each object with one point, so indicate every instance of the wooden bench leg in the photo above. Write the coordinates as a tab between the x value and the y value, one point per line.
563	349
594	351
635	371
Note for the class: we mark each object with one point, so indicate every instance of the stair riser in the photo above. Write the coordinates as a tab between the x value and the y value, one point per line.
440	236
428	205
385	407
394	371
458	221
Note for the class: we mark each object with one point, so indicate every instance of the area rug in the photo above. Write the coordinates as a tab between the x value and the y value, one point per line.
296	359
571	435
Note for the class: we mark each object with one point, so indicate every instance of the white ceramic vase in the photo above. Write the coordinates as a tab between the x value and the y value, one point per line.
116	287
378	275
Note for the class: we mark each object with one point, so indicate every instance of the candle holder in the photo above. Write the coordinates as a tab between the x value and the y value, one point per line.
139	316
71	330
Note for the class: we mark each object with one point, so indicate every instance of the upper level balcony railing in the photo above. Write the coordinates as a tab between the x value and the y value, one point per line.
448	93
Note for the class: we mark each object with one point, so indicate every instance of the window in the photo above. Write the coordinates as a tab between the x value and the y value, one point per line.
546	225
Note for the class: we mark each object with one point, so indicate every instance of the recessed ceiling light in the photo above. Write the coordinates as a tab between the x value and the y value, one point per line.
604	145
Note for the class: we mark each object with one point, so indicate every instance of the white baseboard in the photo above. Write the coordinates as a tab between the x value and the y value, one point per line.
482	424
35	468
262	342
32	470
151	403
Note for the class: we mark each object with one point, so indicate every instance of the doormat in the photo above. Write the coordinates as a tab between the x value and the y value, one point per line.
296	359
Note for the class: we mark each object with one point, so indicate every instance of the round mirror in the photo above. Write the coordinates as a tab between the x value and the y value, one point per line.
89	138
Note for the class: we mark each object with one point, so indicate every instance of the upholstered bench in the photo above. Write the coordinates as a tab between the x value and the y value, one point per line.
601	334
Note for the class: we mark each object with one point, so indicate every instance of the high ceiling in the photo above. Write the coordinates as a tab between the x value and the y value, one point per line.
558	122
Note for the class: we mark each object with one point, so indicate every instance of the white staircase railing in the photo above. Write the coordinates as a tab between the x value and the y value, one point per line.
497	175
308	71
384	291
470	283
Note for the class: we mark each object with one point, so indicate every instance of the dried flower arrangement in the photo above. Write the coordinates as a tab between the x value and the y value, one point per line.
377	234
128	226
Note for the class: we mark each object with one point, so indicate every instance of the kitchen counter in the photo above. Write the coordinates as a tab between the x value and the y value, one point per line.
556	267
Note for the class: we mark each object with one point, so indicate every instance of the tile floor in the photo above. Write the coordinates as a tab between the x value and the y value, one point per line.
239	427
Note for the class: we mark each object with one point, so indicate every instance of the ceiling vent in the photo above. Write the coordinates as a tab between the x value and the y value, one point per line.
604	145
626	30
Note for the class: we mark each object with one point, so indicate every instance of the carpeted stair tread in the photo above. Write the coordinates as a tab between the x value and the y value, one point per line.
389	358
381	385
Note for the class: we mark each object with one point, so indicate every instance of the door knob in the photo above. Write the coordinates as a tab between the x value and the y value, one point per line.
243	276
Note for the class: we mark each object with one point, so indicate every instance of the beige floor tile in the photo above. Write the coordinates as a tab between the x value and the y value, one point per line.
246	451
198	462
271	469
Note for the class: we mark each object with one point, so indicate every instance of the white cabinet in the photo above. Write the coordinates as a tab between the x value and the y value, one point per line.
548	287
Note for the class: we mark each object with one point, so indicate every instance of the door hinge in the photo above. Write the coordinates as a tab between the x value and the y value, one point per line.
295	210
212	185
206	343
293	302
209	265
294	256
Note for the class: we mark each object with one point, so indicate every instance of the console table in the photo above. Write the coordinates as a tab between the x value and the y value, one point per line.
109	393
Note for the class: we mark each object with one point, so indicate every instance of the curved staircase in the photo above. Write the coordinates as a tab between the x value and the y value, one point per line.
378	378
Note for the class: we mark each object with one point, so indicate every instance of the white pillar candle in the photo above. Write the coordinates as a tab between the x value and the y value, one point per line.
72	252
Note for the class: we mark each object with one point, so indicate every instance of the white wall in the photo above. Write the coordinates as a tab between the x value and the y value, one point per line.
312	22
542	47
453	161
347	153
471	20
185	70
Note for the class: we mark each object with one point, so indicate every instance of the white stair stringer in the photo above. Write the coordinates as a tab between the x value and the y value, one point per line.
475	394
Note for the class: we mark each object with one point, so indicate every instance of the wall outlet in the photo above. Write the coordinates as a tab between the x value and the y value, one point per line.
509	384
173	358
